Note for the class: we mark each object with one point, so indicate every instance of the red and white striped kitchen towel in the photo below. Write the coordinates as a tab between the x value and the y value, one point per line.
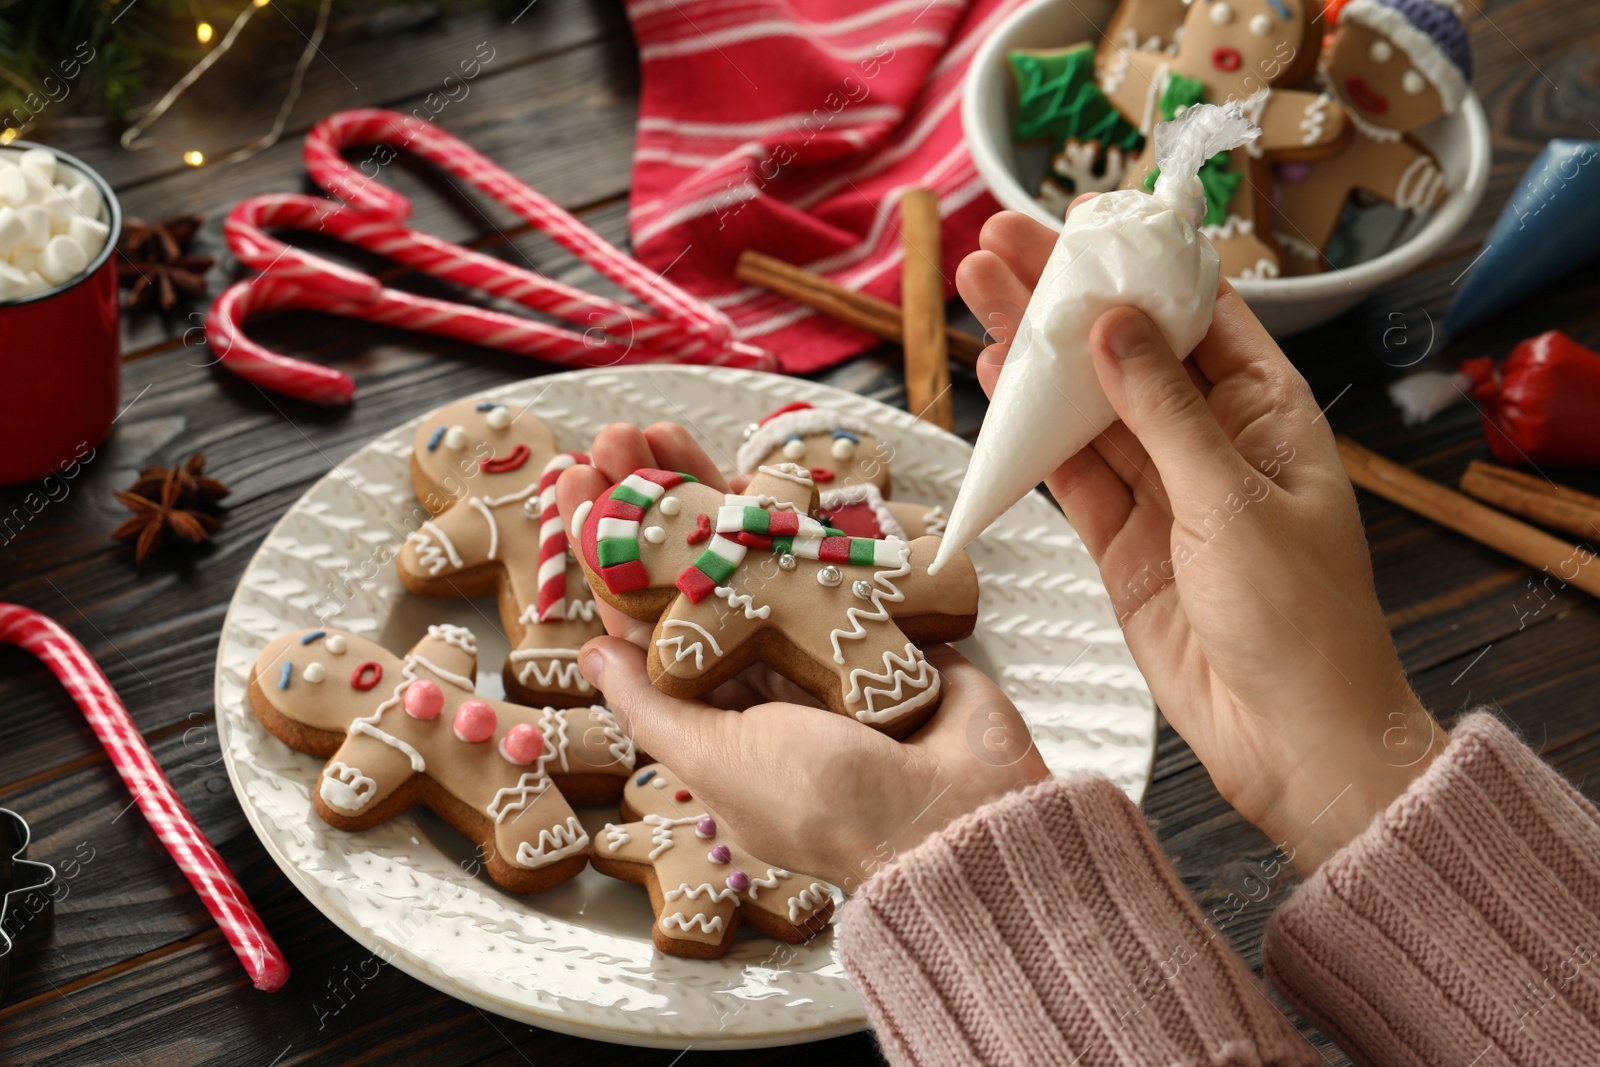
792	127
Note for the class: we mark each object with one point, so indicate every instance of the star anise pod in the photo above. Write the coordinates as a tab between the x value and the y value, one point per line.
155	262
163	503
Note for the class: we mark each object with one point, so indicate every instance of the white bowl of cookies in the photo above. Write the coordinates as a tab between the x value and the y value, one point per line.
1374	149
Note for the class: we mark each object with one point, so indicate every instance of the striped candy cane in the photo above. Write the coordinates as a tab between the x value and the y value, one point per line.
171	821
553	539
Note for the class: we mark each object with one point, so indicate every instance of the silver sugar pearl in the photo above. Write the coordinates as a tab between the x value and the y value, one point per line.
830	576
786	561
862	588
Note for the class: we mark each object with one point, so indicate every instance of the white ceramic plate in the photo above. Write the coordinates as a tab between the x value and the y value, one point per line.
579	959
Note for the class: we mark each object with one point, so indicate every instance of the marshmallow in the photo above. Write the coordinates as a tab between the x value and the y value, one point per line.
89	233
40	161
13	186
62	260
12	230
37	221
36	284
85	198
13	283
25	259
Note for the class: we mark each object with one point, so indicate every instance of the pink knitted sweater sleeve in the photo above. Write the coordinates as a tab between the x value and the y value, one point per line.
1464	926
1048	928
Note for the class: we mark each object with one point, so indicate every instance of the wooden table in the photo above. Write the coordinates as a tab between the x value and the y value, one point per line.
136	973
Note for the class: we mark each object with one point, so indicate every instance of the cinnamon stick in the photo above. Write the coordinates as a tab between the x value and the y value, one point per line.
1568	563
922	324
877	317
1535	499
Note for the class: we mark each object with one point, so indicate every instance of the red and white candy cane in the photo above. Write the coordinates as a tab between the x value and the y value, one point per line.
553	539
206	871
672	326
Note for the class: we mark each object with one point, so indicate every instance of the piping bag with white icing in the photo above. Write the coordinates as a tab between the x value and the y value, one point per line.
1127	248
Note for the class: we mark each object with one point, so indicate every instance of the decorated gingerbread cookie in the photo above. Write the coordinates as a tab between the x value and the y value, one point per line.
1396	66
702	884
413	731
1234	50
730	579
849	464
487	472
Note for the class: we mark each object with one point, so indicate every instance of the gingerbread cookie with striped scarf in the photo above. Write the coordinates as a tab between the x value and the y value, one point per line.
412	730
848	461
486	472
702	884
733	578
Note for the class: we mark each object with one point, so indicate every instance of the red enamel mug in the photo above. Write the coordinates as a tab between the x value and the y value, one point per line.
60	357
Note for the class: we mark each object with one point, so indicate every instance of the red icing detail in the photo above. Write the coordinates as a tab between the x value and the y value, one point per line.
424	699
366	676
523	744
783	523
627	577
702	529
857	520
475	721
1540	406
665	479
695	584
682	796
798	405
509	462
1225	58
753	540
1365	97
821	474
834	550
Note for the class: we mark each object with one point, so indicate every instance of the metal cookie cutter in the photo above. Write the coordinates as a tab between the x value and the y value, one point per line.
27	905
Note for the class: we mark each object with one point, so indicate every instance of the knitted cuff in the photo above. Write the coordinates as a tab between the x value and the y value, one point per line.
1047	927
1465	919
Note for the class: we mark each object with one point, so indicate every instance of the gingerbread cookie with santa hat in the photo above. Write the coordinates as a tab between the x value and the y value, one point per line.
849	463
487	472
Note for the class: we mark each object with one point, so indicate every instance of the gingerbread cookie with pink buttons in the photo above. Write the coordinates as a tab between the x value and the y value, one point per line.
486	472
703	885
734	578
409	730
848	461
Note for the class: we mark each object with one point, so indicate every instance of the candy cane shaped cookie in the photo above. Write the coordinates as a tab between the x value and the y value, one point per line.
702	883
486	472
730	579
411	730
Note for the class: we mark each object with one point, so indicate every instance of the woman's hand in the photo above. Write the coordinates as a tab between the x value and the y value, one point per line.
799	786
1227	534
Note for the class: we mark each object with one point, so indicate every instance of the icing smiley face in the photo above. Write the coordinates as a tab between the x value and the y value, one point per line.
1239	46
839	450
839	615
1379	80
503	774
703	884
491	490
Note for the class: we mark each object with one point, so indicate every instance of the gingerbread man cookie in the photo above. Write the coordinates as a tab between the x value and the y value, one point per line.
1234	49
413	731
849	464
487	474
1396	66
731	578
702	884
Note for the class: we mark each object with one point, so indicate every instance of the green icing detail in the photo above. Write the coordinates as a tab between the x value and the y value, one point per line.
1216	179
614	550
715	567
1058	101
625	495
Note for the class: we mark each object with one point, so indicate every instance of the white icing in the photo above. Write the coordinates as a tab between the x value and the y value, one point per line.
581	515
459	636
744	601
1264	268
808	899
805	422
517	497
362	726
514	798
1425	55
455	438
345	787
933	521
553	724
901	674
696	646
669	505
1297	245
435	550
711	924
1315	120
789	472
460	681
1233	226
768	881
654	534
1419	184
488	516
884	592
558	842
618	744
1115	72
549	668
616	836
705	889
661	828
335	644
315	673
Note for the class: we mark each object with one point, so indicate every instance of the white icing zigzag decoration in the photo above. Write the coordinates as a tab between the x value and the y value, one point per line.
705	889
883	591
808	899
711	924
934	522
435	550
770	881
559	669
616	837
661	831
345	787
694	646
459	636
558	842
744	601
899	673
619	744
515	798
